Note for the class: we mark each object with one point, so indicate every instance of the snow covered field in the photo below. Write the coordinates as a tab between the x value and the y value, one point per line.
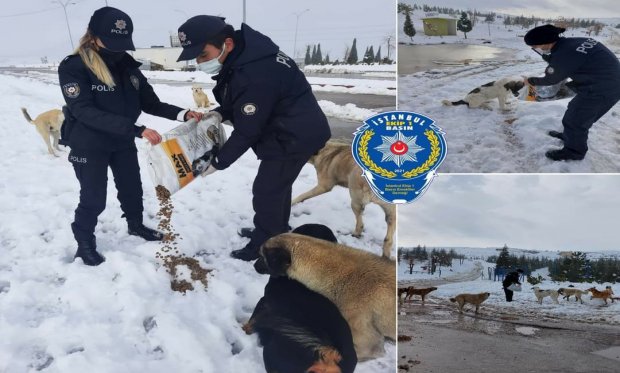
122	316
491	141
467	278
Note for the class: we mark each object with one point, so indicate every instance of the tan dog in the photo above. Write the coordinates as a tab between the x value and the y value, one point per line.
335	165
200	97
361	284
607	293
566	293
475	299
48	124
411	291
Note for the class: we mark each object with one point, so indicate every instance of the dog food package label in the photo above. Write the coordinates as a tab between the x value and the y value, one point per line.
184	153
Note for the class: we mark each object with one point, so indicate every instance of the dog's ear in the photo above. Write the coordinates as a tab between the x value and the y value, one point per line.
260	266
278	260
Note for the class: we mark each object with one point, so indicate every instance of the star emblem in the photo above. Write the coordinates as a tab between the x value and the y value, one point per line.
399	148
182	36
120	24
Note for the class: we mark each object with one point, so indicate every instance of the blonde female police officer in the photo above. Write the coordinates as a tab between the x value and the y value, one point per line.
272	109
595	74
105	93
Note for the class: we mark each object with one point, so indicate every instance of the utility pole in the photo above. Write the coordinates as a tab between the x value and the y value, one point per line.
298	14
64	6
244	11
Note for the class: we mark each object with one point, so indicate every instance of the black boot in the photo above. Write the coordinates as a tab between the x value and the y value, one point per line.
248	253
563	155
556	134
247	231
87	250
136	228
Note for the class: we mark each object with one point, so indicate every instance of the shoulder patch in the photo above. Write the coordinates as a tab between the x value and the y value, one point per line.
249	109
135	82
71	90
550	70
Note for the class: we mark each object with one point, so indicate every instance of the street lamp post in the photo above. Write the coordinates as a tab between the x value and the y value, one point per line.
298	14
64	6
244	12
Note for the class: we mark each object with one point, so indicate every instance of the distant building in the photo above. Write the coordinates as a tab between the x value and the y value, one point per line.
439	26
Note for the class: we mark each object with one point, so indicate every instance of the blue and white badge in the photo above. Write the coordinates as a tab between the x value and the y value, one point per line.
399	152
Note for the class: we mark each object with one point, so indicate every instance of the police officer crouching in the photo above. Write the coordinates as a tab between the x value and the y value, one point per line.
105	93
272	109
595	74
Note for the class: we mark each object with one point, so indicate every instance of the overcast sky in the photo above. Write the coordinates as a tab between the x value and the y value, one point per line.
35	28
540	8
548	212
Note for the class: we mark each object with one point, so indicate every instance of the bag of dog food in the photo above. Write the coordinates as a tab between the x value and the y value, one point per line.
514	287
184	153
546	92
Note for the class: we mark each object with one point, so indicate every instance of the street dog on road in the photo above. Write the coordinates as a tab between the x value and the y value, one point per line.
542	293
411	291
566	293
481	97
301	330
362	285
335	165
475	299
48	124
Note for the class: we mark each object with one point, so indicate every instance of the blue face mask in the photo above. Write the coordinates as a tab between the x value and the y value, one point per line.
213	66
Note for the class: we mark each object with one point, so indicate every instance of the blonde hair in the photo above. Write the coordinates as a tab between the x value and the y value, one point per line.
88	52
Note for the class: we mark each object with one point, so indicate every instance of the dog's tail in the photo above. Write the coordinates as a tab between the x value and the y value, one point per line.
452	300
454	103
26	115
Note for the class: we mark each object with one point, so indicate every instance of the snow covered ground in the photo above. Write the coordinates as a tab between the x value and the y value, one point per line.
122	316
491	141
467	278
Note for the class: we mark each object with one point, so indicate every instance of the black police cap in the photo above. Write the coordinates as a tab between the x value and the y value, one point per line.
113	27
543	35
195	33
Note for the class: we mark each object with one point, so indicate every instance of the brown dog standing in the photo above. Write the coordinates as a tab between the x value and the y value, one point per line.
362	285
335	165
48	124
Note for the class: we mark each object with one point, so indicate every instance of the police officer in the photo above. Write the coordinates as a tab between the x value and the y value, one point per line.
510	279
595	74
272	109
105	92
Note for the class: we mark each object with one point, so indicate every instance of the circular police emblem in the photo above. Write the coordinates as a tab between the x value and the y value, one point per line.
135	82
249	109
120	24
71	90
399	152
550	70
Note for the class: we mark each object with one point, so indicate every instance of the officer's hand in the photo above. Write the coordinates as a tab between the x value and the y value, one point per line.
209	171
193	115
153	136
213	115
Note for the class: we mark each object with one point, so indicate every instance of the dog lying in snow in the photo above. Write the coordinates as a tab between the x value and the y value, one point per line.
542	293
481	97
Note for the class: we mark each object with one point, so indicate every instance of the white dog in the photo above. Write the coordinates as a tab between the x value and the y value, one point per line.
481	96
540	294
48	124
200	97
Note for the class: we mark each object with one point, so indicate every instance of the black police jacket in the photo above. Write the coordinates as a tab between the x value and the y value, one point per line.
593	68
511	278
100	117
269	102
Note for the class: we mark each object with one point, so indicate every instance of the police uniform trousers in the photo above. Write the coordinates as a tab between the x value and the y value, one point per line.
583	111
91	170
271	198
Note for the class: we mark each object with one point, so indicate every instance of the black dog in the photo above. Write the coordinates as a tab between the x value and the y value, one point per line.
301	331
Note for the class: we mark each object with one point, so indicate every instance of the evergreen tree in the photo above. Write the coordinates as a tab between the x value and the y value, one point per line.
369	56
308	59
464	24
408	27
319	55
503	260
352	59
327	61
378	55
313	58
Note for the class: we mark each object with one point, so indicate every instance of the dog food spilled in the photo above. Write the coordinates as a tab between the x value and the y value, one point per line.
404	338
169	253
